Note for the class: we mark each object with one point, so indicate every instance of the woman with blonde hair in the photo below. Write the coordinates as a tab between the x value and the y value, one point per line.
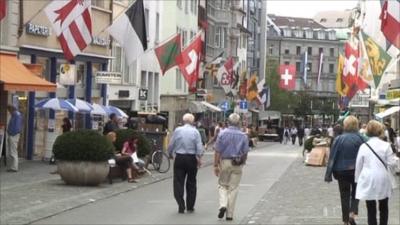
342	162
372	174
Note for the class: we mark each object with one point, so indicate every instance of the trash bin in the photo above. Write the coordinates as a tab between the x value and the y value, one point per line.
158	137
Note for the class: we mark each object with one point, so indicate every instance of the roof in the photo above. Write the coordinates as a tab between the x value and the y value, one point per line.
285	21
15	76
333	19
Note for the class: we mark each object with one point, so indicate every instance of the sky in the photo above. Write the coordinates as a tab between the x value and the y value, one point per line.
306	8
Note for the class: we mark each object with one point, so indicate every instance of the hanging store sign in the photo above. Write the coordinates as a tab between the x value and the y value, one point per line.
38	30
67	74
101	41
104	77
393	94
143	94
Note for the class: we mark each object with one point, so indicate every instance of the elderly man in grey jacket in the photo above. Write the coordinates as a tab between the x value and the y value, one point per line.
231	150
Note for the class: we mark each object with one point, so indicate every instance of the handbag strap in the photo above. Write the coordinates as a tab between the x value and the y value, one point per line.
376	155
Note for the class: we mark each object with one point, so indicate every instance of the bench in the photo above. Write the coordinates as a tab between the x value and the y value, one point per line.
118	172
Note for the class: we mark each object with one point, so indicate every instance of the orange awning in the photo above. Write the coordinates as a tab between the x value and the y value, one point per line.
16	77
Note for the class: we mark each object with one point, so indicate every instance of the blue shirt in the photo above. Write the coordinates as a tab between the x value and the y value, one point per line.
232	142
15	124
186	140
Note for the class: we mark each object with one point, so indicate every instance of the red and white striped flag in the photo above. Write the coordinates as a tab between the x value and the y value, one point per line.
72	23
390	25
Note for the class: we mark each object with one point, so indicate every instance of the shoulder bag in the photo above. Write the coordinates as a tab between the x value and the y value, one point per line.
388	170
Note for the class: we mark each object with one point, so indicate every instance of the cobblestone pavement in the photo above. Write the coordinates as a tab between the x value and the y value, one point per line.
302	197
33	193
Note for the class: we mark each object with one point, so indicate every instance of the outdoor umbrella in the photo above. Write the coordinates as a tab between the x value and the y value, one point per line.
82	105
118	112
100	110
56	104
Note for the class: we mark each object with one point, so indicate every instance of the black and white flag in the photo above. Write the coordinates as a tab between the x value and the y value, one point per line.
129	30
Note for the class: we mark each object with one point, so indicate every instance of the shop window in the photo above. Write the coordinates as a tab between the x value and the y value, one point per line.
80	74
95	68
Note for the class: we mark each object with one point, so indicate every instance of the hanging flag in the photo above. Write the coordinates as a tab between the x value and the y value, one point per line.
235	79
262	92
288	77
129	30
378	58
350	69
252	91
3	9
243	88
320	65
390	21
305	67
72	23
267	104
341	87
225	75
189	61
217	59
167	53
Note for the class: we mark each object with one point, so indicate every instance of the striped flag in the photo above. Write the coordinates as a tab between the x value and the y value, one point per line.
3	9
390	17
71	21
321	59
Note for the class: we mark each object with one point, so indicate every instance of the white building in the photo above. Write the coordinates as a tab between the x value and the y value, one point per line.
144	73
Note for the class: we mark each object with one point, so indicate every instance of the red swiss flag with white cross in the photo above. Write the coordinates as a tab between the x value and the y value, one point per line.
288	77
350	68
189	61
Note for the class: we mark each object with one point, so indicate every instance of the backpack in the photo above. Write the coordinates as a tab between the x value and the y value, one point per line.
286	133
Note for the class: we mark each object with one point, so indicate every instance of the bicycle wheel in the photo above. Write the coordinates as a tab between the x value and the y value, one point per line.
160	161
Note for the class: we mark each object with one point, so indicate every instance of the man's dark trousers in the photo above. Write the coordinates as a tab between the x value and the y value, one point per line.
185	168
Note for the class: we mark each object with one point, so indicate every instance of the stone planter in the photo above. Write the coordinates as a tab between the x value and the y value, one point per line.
83	172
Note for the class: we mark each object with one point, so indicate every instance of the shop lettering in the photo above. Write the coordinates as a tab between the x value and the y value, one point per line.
393	94
99	41
108	78
39	30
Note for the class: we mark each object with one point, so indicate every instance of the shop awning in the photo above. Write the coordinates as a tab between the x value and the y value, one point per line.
16	77
211	106
388	112
196	107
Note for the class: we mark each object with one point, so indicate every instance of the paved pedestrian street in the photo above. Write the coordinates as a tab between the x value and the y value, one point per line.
302	197
276	188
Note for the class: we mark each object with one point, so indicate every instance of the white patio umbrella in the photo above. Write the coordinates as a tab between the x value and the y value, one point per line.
82	105
56	104
118	112
100	110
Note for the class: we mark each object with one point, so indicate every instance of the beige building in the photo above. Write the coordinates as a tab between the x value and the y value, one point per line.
38	44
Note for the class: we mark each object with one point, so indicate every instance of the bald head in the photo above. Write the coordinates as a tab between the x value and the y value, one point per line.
188	118
234	119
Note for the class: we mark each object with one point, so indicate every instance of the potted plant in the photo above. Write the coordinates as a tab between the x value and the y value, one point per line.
123	135
82	157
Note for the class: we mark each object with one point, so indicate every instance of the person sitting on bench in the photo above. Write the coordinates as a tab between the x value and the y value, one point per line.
125	162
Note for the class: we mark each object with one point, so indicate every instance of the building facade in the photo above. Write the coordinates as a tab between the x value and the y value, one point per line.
288	40
38	44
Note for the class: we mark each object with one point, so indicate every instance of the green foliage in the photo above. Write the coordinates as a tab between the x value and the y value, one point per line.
83	145
123	135
308	144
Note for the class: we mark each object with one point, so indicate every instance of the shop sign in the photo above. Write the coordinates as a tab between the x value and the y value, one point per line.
143	94
38	30
393	94
67	74
104	77
101	41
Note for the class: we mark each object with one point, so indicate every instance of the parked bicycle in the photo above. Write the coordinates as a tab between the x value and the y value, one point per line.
159	159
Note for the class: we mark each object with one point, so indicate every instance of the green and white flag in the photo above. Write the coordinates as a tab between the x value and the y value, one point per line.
378	58
167	53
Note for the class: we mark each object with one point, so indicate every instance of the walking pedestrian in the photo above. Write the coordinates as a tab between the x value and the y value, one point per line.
341	164
286	135
300	135
188	149
280	134
14	130
293	134
372	174
217	129
230	155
